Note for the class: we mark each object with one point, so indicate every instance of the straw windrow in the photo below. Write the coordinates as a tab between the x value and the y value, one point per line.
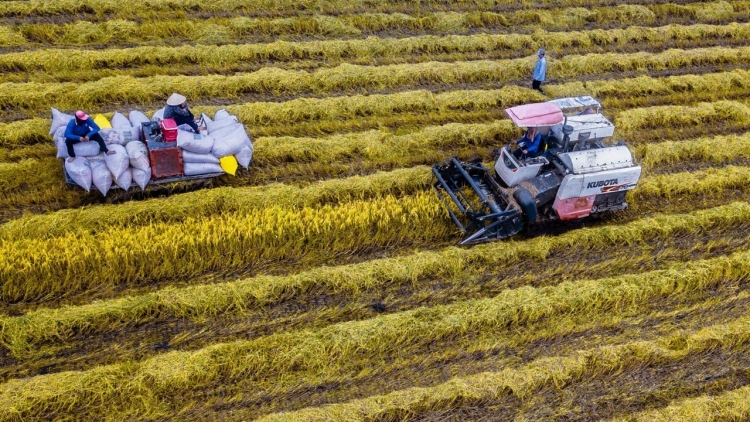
346	346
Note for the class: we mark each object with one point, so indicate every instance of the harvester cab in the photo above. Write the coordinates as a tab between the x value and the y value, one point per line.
575	174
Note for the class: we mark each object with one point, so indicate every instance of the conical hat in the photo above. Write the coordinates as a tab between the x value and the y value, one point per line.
176	99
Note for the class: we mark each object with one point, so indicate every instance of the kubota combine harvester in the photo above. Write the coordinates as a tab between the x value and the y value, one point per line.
574	175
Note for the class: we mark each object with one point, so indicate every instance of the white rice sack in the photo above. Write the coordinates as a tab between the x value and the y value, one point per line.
125	180
80	171
220	133
244	156
218	124
221	114
119	136
205	118
159	115
191	157
115	136
130	135
186	127
82	149
59	138
119	121
59	119
195	142
59	135
137	118
138	155
141	177
117	162
111	136
100	175
98	157
232	143
192	169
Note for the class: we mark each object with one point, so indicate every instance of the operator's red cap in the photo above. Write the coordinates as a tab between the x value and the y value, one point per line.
81	115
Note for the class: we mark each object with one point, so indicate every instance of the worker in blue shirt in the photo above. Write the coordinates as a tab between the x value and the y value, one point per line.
83	129
528	145
540	71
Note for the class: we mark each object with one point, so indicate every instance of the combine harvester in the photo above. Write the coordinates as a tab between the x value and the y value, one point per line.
154	151
576	176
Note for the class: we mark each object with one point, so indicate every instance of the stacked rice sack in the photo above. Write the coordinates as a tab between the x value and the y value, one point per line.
226	147
129	164
231	147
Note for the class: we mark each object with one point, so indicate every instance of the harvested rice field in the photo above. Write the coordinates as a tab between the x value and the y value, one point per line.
325	281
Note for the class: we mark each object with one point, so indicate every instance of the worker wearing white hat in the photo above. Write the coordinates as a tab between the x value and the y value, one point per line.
178	110
539	71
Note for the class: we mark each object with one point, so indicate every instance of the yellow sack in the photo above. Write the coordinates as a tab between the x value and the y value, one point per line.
229	164
102	122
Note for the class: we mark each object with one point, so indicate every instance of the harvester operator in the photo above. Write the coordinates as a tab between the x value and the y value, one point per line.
528	145
178	110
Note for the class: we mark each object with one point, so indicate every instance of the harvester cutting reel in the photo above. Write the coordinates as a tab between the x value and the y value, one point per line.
487	210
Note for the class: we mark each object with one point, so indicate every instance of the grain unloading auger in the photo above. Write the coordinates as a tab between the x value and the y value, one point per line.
574	175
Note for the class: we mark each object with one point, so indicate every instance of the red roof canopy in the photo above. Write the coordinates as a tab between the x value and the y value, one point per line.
535	115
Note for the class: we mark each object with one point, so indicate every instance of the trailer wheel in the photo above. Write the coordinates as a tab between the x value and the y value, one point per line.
527	204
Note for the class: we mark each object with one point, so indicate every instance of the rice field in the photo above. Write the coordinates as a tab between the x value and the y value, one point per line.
324	283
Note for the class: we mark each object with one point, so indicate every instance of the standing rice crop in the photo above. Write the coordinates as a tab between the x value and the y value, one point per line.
35	268
208	202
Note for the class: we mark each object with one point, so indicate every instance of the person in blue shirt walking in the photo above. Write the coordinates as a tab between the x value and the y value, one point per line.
540	71
83	129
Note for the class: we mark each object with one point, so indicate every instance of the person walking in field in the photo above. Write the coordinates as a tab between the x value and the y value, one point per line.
540	71
83	129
